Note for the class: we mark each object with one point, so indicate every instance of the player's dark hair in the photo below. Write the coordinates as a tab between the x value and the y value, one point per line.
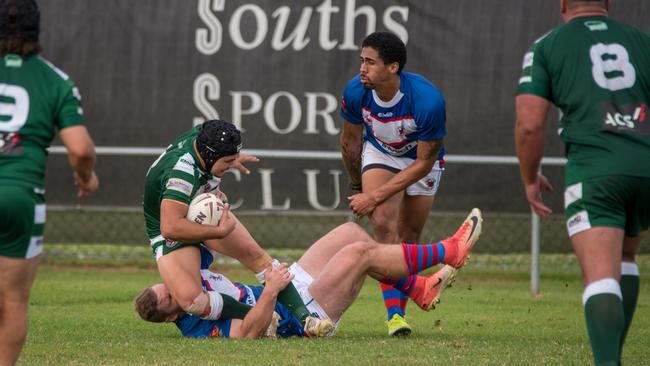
216	139
146	305
19	27
389	47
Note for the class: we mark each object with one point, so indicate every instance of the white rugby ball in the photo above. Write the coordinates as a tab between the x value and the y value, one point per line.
205	209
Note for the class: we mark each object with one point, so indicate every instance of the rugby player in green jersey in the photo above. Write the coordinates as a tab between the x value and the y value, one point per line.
193	164
36	100
596	71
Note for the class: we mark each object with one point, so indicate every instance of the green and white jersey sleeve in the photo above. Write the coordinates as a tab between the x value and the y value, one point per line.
175	175
36	100
595	70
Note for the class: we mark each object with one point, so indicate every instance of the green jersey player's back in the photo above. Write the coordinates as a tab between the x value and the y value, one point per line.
36	100
596	71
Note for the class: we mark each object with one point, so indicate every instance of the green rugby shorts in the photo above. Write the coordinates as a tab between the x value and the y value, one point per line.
609	201
22	220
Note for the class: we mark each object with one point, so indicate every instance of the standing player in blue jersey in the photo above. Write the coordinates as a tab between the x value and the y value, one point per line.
392	147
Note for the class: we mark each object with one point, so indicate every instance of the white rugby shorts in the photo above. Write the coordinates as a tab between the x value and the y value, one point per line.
373	158
301	281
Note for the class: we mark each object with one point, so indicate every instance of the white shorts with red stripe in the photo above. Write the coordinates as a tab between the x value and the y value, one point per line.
371	158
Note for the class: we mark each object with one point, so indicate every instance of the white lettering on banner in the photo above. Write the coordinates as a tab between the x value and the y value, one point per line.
298	37
351	14
393	25
313	112
238	111
312	189
267	192
207	90
209	39
262	26
326	10
295	115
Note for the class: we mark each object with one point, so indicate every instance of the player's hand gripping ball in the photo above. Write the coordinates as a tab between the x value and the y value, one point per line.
205	209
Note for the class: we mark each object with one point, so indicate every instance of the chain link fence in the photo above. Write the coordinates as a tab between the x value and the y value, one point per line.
495	188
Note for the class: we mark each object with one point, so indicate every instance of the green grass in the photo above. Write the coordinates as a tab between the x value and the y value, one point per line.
84	316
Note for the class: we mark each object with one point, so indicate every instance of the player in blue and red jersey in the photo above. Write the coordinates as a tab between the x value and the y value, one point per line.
328	277
392	147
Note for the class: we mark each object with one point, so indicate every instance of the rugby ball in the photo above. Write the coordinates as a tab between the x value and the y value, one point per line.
205	209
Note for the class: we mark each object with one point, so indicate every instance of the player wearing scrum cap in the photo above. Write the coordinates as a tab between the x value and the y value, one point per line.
329	276
193	164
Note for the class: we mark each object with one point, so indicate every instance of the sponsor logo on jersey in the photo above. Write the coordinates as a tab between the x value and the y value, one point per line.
596	25
10	143
629	117
216	332
385	115
180	185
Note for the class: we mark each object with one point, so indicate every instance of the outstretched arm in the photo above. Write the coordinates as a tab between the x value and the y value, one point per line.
259	317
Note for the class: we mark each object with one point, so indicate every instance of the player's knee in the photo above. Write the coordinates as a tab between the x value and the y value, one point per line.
409	235
384	227
187	300
359	250
207	305
354	231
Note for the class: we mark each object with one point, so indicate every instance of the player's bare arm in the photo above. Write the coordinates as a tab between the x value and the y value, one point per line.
175	226
427	153
81	157
258	319
351	145
529	141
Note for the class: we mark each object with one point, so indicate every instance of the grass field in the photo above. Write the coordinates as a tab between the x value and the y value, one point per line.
84	316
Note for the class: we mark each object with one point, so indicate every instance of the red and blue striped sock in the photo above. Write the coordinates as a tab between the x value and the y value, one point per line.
394	300
419	257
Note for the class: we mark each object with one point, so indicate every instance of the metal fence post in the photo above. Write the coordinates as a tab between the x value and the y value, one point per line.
534	253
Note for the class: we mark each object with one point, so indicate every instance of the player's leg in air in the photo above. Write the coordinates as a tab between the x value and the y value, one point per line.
337	283
240	244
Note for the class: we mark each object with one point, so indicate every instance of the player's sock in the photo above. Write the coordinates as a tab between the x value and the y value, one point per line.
392	300
605	319
290	298
630	291
233	309
419	257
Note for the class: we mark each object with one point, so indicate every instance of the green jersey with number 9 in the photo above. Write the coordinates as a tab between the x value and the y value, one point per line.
36	100
597	72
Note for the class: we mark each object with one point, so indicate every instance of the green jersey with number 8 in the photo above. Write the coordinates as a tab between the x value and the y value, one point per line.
36	100
597	72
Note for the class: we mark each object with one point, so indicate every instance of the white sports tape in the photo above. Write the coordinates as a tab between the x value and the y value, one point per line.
604	286
216	305
207	300
260	276
629	269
